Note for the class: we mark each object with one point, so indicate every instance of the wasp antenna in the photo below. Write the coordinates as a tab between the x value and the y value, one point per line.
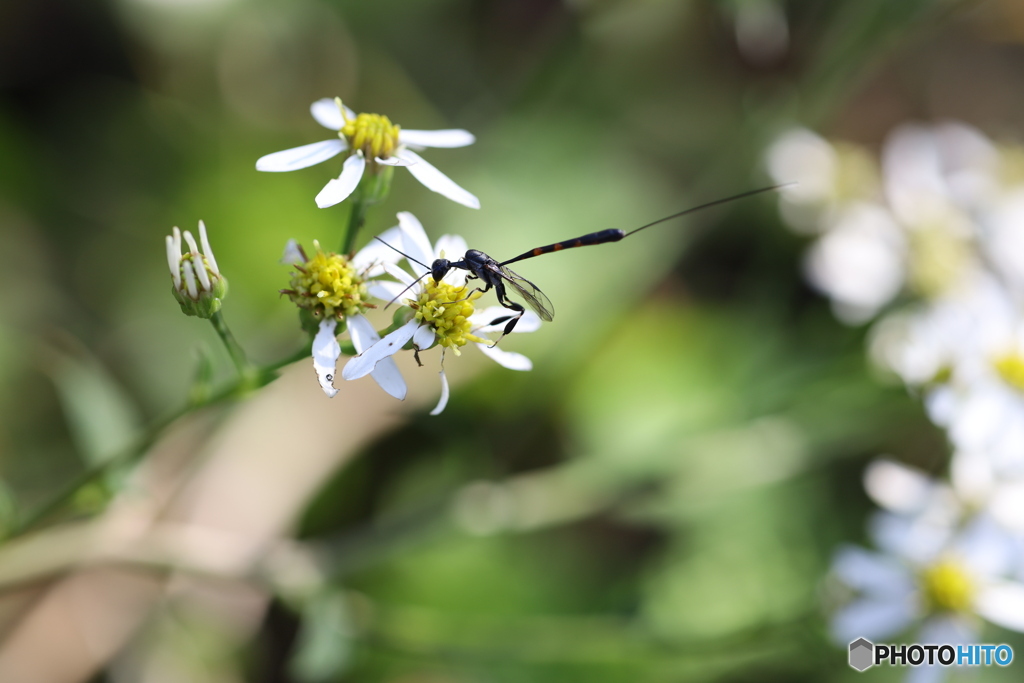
694	209
411	285
402	253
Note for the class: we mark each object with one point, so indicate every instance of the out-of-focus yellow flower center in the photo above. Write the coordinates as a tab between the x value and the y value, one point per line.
372	133
948	587
937	259
856	174
1010	367
329	281
447	309
1011	165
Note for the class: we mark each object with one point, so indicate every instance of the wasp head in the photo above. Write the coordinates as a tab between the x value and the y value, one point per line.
440	268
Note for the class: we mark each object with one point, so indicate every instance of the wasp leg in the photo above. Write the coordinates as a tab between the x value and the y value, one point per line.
511	324
483	290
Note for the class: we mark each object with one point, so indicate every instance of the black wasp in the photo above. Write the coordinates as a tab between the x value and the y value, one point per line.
497	275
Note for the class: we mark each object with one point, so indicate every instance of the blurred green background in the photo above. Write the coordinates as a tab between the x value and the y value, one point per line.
658	500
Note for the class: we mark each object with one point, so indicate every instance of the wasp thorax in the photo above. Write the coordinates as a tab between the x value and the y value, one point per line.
374	134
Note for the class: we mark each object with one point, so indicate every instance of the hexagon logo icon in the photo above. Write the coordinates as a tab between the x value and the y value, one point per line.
862	654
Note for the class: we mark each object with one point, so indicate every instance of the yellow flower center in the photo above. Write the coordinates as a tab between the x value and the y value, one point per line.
856	175
948	587
937	258
328	282
372	133
1011	368
447	309
1011	166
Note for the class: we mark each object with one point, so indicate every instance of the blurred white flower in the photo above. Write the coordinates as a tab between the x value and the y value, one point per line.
930	575
445	312
975	487
906	230
859	262
371	141
826	178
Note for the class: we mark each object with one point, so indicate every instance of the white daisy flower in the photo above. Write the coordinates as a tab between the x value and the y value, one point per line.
445	312
905	231
371	140
975	487
335	288
932	576
966	353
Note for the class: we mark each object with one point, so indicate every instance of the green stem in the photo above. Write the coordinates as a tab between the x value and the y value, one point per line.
245	368
356	218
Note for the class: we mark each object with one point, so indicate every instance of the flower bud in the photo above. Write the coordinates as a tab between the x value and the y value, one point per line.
196	282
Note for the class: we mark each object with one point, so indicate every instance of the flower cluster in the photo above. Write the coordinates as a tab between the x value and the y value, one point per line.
335	291
929	243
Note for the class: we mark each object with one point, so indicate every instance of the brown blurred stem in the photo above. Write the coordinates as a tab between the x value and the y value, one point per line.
253	377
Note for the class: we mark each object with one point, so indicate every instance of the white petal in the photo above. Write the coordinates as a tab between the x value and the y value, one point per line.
872	573
386	374
424	337
207	250
443	401
190	279
915	539
951	630
340	188
372	257
415	242
327	114
173	261
362	332
292	254
897	487
193	248
363	364
451	247
434	180
453	137
872	619
940	630
300	157
325	356
203	275
507	359
389	378
399	274
1003	604
395	160
385	290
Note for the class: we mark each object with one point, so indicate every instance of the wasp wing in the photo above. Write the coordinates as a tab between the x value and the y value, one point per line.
531	294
